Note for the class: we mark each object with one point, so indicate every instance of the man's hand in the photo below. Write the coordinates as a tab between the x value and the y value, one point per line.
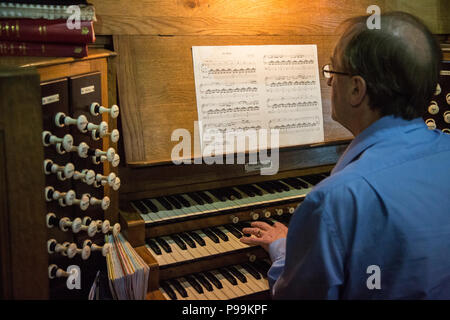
264	234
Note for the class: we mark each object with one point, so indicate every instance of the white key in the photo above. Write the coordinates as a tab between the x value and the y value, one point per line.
251	281
218	292
232	240
192	293
230	290
176	252
214	248
209	295
159	258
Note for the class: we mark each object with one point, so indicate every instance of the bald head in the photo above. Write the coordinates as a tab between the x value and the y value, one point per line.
399	62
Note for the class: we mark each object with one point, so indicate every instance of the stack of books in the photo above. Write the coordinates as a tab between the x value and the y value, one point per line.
51	28
127	272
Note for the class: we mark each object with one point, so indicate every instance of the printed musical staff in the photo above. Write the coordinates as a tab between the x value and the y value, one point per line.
254	88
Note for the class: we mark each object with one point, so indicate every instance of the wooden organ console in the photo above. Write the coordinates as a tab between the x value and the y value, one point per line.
67	155
62	133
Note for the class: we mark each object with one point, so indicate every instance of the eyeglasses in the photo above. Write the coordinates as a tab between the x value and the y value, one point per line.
326	71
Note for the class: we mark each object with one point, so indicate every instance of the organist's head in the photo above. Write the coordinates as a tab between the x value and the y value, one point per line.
392	70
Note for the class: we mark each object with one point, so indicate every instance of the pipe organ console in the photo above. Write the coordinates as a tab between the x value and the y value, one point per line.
78	181
68	178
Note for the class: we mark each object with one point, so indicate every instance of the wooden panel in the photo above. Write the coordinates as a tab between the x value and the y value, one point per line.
434	13
147	182
157	90
5	246
248	17
22	125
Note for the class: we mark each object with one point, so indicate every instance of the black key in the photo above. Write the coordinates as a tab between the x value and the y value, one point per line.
179	288
174	202
242	225
203	281
196	198
169	290
154	246
150	205
166	247
138	204
265	187
194	283
178	241
235	193
227	192
281	185
235	232
246	191
275	186
237	274
205	197
219	195
212	278
312	179
293	183
255	190
219	233
260	268
211	235
197	238
302	183
251	270
188	240
164	203
228	276
182	200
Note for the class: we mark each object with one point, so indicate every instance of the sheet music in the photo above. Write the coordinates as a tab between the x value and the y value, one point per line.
258	87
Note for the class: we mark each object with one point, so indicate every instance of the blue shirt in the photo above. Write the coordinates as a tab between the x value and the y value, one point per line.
385	205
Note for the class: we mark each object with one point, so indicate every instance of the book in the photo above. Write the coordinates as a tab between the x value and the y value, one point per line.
54	2
42	30
127	272
43	11
12	48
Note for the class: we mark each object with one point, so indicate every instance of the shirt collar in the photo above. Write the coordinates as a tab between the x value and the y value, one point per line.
382	129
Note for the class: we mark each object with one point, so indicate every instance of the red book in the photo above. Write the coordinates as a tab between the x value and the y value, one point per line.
11	48
43	30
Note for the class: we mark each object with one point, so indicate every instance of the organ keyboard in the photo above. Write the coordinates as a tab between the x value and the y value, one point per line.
228	282
191	239
176	207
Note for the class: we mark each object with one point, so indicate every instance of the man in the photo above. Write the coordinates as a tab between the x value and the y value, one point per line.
379	226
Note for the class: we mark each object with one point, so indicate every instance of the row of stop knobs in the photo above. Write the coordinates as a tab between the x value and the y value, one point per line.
69	198
83	150
87	176
265	214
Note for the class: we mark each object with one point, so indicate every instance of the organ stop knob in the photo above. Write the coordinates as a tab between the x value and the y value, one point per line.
62	120
49	139
97	109
102	128
67	171
104	249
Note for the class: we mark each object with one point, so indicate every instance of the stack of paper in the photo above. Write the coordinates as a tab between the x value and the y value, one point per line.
127	271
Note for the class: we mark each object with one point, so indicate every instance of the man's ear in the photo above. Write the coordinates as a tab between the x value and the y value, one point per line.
358	90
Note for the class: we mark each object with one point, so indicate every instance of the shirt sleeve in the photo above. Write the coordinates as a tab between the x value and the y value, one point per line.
277	252
312	267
